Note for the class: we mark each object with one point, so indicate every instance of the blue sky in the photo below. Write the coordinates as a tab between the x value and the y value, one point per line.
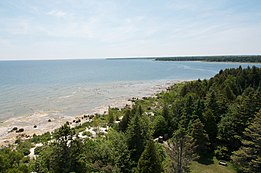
62	29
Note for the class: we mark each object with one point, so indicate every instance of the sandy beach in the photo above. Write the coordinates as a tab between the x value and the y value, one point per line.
41	122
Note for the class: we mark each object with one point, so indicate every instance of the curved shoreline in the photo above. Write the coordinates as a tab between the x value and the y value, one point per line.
41	119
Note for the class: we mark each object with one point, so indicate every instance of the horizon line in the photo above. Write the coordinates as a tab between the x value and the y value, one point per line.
129	57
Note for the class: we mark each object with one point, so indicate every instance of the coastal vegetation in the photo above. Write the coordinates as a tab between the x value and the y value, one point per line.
229	58
188	127
220	58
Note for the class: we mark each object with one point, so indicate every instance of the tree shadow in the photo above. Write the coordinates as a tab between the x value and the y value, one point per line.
206	158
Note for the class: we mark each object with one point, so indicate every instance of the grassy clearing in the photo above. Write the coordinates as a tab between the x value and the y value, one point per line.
211	166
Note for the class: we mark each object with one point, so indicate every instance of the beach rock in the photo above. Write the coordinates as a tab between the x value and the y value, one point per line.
35	126
13	129
20	130
49	120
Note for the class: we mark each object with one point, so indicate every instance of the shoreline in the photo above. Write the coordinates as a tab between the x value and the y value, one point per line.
42	122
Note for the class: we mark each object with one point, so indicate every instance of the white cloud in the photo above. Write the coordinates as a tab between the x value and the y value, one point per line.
57	13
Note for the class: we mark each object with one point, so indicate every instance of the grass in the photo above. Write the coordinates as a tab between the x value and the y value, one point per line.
210	165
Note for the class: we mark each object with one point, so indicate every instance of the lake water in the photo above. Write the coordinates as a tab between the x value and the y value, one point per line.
72	87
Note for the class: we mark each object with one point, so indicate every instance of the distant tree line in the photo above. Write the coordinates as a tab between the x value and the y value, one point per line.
241	58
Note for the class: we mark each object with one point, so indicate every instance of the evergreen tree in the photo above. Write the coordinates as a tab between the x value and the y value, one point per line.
248	157
136	137
210	126
199	110
168	120
111	154
240	114
160	126
110	117
140	111
149	161
211	104
123	125
199	137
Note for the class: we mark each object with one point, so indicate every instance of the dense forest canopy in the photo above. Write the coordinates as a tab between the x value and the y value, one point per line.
218	117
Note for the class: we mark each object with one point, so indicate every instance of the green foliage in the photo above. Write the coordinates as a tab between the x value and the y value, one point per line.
248	158
123	125
222	153
210	125
110	117
137	134
24	147
63	155
12	161
237	119
160	126
111	154
149	161
41	138
87	133
199	136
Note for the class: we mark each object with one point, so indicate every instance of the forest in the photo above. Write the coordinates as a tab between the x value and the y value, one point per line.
189	122
229	58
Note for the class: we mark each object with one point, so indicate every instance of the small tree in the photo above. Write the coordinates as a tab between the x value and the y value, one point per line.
110	117
149	161
123	125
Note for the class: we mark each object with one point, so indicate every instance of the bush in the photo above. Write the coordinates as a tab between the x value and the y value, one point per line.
38	150
41	138
87	133
24	147
222	153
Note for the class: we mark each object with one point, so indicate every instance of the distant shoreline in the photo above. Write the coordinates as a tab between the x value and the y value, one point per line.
221	58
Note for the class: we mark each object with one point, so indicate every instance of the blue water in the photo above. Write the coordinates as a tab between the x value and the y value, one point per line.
76	86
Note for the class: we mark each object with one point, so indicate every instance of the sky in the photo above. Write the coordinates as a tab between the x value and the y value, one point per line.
68	29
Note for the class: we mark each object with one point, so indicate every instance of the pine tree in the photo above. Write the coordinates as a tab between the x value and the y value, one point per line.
213	106
160	126
110	117
140	111
248	157
210	126
136	137
123	125
199	137
149	161
199	110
